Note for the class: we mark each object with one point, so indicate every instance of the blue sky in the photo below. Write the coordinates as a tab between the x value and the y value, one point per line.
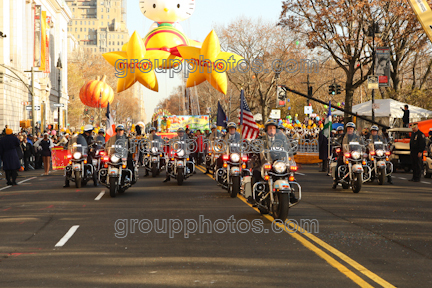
207	15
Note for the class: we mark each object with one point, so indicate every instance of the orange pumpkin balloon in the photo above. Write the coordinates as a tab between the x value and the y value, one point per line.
96	94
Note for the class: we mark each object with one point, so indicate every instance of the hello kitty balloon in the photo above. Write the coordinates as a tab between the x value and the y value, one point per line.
167	11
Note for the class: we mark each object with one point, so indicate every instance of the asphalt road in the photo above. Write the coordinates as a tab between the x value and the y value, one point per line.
381	237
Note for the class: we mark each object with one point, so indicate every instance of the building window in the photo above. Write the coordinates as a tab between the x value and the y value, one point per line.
108	10
102	23
76	22
78	36
93	23
85	29
80	29
102	10
76	29
73	9
118	43
122	36
108	16
80	22
101	16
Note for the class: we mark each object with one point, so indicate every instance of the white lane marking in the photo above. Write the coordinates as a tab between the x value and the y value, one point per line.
27	180
402	178
425	182
100	195
67	236
301	174
5	187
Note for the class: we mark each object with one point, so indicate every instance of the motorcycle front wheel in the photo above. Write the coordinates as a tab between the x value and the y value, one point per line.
180	176
113	187
358	180
154	170
78	179
381	177
280	210
235	187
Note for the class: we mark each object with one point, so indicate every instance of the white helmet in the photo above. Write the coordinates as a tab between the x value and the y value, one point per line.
88	128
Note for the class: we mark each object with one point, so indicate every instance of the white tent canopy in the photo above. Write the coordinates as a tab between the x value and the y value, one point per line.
388	108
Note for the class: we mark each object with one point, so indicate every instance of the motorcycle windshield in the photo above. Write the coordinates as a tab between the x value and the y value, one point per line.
379	146
155	146
234	148
77	150
117	150
281	149
356	150
180	149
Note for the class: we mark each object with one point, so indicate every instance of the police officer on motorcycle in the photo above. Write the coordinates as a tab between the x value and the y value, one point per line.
181	136
122	140
374	137
152	137
350	136
101	136
275	140
232	135
269	140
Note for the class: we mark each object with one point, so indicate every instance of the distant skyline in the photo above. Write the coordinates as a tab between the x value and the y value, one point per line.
206	16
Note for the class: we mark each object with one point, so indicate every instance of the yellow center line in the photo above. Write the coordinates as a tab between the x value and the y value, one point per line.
332	261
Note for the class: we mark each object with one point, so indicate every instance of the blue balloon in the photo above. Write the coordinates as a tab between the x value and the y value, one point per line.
289	108
289	100
318	118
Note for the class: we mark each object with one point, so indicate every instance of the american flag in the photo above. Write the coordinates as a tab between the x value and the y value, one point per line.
250	129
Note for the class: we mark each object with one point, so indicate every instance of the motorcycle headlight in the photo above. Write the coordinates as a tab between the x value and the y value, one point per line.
380	153
77	155
154	150
181	153
355	155
235	157
115	159
279	167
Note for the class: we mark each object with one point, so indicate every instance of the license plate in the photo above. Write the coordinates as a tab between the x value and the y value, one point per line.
76	166
154	159
113	171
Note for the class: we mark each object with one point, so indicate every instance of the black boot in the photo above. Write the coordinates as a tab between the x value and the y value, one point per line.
389	180
167	179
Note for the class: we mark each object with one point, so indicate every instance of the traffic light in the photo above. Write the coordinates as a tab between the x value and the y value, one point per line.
332	89
281	97
338	89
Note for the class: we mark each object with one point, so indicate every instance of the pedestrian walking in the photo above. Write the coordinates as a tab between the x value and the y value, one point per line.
8	151
417	146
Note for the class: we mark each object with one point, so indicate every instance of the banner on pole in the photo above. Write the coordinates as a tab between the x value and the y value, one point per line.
43	42
382	65
37	36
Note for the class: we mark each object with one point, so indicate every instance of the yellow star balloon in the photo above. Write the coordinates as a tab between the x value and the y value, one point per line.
209	63
133	65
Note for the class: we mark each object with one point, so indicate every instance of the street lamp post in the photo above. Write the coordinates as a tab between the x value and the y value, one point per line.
59	67
373	31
